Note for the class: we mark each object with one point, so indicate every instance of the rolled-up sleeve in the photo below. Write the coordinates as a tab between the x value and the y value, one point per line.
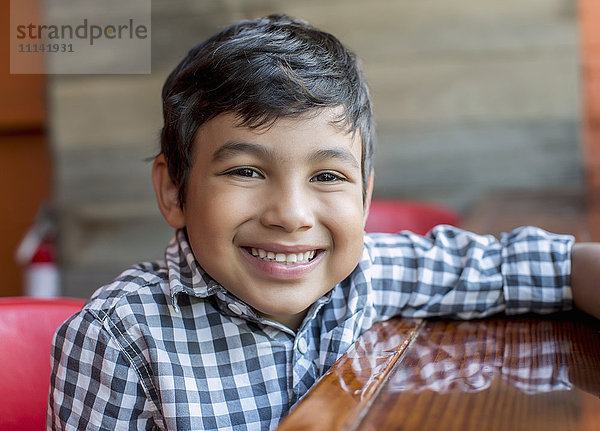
536	267
454	273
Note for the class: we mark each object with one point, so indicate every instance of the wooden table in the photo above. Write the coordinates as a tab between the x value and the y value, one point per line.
525	373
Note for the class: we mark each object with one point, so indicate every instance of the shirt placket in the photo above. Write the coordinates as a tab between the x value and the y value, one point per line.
304	369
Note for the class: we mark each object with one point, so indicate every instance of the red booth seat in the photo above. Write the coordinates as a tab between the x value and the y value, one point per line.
27	326
392	216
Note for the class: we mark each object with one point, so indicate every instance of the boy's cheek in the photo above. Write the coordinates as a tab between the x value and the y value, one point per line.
215	205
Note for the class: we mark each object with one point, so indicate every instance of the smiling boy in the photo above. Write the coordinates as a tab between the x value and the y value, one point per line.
275	215
265	173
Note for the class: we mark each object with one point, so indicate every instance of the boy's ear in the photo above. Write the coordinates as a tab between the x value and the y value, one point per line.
368	196
167	194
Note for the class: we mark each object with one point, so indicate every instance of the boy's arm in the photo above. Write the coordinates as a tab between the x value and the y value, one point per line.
93	385
454	273
585	277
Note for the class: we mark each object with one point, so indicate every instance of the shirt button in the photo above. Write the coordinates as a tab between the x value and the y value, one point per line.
302	346
235	309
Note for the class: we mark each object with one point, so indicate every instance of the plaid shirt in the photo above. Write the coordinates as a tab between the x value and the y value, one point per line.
166	347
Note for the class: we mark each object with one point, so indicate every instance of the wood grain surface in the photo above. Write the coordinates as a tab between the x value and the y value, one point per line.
527	373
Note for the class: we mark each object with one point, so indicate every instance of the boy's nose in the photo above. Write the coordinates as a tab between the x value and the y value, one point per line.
287	209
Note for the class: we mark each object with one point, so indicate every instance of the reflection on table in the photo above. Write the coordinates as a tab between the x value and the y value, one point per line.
502	373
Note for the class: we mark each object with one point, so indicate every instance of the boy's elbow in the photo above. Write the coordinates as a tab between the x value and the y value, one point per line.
585	277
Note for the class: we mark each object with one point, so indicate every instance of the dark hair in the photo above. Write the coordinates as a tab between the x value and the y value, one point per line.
262	70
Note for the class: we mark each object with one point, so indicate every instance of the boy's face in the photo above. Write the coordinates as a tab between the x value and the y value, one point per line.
276	215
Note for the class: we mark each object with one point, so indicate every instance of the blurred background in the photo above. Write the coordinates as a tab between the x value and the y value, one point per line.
481	107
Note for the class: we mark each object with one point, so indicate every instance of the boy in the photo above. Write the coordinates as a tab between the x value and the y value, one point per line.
265	173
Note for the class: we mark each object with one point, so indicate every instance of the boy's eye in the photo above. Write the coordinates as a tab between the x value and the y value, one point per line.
327	177
244	172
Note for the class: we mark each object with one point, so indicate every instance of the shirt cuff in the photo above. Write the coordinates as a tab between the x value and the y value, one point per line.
536	266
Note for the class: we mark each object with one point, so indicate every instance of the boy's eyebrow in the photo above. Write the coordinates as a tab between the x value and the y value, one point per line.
233	148
335	153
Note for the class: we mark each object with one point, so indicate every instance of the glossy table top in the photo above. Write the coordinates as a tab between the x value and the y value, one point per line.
529	373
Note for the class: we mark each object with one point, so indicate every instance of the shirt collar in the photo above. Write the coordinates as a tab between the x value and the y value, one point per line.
185	274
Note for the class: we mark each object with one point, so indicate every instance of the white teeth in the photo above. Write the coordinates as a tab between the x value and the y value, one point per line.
287	259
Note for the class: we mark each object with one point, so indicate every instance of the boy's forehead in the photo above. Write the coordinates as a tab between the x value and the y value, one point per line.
325	125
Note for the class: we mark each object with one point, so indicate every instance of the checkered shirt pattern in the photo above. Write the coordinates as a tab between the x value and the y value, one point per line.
166	347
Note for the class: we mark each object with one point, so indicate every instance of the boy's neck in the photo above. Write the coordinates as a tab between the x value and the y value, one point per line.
292	321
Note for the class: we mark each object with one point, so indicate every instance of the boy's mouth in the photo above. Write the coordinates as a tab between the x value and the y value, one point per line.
283	258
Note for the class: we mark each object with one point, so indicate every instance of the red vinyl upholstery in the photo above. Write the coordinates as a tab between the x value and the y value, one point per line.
27	326
393	216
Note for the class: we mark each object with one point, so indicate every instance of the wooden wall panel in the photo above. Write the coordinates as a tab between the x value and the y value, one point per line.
24	159
589	17
24	185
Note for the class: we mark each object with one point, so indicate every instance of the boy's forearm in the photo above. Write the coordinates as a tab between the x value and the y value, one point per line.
585	277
